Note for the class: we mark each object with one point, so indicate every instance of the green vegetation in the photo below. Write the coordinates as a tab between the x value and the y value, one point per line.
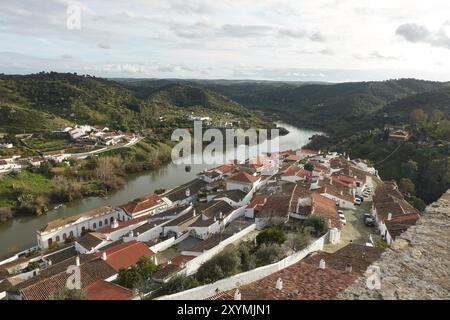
137	274
69	294
271	235
46	101
318	224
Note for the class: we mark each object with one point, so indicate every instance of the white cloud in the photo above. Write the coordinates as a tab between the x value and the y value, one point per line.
203	38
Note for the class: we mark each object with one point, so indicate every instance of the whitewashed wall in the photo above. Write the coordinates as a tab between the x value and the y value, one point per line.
240	279
163	245
193	265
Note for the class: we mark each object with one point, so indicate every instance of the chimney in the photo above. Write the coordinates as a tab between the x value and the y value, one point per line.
237	295
131	234
104	256
279	285
389	217
331	180
348	268
215	219
220	215
77	261
195	213
322	264
188	192
169	262
115	224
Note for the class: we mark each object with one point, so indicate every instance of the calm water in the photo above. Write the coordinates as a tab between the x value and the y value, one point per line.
18	234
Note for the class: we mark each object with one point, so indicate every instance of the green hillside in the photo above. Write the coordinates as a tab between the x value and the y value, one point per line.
45	101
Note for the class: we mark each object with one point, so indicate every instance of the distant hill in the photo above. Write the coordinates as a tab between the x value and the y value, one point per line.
46	101
332	107
399	110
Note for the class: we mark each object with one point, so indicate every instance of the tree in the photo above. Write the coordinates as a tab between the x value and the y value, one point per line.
178	283
308	167
407	186
222	265
300	241
268	253
319	225
437	115
248	259
69	294
137	274
418	116
271	235
409	169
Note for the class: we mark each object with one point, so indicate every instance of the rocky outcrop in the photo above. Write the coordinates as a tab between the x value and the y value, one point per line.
417	266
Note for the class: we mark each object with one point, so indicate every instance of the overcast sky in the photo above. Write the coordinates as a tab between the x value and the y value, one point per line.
313	40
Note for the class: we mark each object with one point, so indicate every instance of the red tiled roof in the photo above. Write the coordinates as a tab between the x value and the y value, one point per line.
293	157
103	290
181	259
301	281
244	177
124	224
299	172
258	200
224	168
326	208
141	204
308	151
126	254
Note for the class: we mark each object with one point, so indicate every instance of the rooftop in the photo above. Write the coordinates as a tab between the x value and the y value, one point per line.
72	219
126	254
144	203
244	177
103	290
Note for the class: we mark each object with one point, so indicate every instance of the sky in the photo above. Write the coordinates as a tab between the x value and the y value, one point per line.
320	40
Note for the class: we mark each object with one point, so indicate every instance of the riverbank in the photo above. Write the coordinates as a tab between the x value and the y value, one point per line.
34	191
19	234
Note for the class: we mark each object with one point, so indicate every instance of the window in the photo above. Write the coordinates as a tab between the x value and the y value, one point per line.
100	223
95	225
83	229
106	222
50	241
112	219
57	239
71	233
64	236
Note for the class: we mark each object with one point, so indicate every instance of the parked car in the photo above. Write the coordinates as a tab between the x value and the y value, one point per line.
360	198
370	222
365	194
357	201
340	211
342	218
367	215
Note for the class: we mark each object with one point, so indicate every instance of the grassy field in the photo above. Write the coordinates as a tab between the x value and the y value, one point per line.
46	144
31	182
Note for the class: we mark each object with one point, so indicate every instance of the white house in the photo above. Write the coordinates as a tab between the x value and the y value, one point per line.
243	181
57	231
146	205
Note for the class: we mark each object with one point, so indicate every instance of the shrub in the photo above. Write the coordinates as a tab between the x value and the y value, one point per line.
268	253
177	284
220	266
300	241
319	225
69	294
271	235
137	274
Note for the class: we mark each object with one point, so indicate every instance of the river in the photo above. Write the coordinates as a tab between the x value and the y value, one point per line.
20	233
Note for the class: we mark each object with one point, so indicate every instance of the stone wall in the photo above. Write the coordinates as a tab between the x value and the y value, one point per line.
417	266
